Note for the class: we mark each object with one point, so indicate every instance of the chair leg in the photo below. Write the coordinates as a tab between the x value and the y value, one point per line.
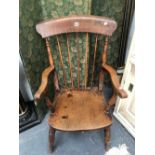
51	139
107	138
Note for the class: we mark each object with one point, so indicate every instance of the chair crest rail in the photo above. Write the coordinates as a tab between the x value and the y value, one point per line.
92	24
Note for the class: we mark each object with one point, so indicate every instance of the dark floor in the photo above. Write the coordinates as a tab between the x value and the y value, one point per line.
35	140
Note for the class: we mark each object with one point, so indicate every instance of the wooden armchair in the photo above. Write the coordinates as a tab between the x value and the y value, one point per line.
83	107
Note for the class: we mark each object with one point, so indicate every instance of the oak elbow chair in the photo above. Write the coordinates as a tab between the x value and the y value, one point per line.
81	107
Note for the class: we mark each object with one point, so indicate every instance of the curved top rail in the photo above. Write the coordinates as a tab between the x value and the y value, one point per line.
92	24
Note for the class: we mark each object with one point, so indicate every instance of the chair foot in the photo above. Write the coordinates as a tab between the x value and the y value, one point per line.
51	139
107	138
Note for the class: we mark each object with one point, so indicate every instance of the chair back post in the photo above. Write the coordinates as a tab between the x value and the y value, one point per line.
50	58
104	60
104	52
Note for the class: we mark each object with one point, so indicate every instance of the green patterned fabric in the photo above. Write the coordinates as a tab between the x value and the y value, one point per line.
32	46
59	8
113	9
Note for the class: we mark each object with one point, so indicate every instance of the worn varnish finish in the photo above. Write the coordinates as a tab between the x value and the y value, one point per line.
115	81
44	82
83	110
101	81
69	61
92	24
94	61
61	61
107	137
79	109
105	49
51	139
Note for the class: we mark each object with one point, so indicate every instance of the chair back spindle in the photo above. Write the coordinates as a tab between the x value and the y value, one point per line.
104	53
86	60
78	58
49	53
69	61
94	60
61	62
56	83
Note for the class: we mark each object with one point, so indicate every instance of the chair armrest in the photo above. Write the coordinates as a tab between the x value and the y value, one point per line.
44	82
115	81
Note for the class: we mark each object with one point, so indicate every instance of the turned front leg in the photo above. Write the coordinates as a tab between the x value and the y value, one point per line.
107	138
51	138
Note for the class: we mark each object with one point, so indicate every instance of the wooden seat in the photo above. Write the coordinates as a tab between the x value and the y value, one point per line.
80	110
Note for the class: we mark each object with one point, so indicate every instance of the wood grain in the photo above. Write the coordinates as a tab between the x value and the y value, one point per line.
56	82
79	109
51	139
86	60
111	102
105	49
78	59
115	81
94	60
49	51
82	110
107	137
69	61
61	61
92	24
49	103
44	82
101	81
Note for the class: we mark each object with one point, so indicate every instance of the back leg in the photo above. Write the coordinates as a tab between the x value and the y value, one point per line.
107	138
51	138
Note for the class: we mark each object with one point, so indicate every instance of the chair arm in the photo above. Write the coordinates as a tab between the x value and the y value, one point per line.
44	82
115	81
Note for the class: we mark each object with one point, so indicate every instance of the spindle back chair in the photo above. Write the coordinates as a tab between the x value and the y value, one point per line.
82	106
